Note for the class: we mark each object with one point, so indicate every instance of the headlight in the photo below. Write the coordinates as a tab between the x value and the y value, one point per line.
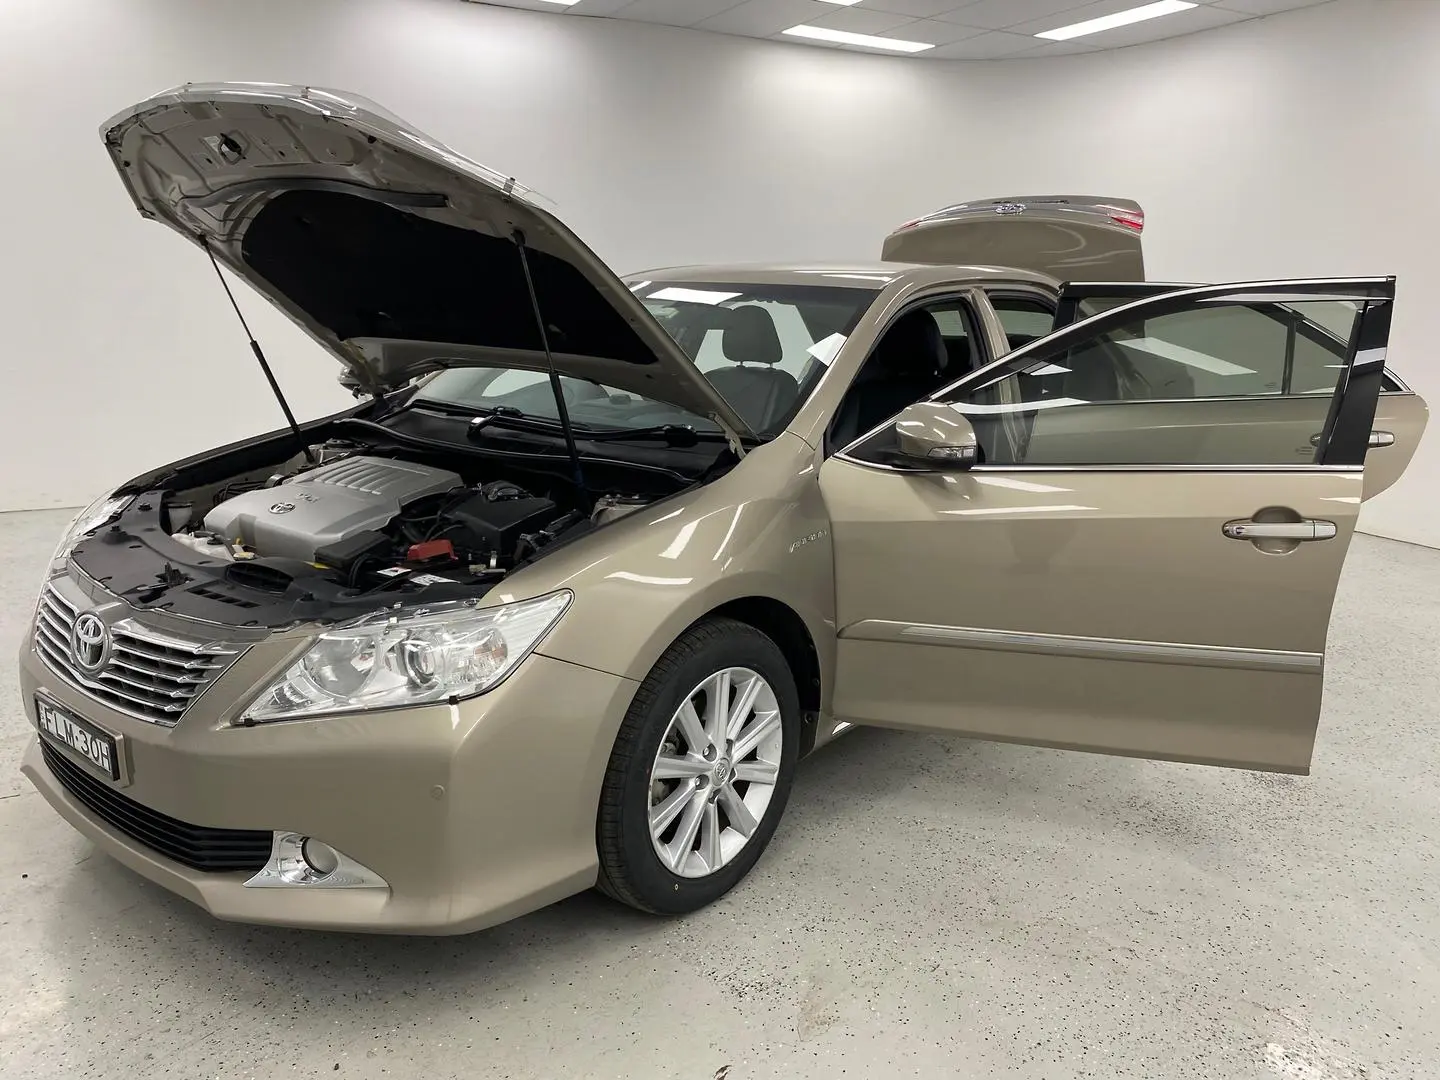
393	659
95	516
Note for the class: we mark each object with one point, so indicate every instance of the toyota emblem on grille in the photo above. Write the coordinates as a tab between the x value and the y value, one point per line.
90	643
282	508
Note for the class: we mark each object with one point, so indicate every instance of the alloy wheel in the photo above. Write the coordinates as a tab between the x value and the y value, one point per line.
715	773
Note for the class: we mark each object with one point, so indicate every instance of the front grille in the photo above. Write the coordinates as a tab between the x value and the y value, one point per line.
149	675
195	846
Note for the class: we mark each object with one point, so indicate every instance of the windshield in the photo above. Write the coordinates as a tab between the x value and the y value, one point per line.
763	347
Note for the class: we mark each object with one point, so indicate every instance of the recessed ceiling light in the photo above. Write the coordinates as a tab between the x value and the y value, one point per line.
864	41
1120	18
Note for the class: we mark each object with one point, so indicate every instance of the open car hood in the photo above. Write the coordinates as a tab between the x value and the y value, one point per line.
396	253
1069	237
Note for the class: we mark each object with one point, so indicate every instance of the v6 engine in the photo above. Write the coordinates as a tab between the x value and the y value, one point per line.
321	507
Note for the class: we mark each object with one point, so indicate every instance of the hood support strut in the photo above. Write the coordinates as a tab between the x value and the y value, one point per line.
260	356
561	410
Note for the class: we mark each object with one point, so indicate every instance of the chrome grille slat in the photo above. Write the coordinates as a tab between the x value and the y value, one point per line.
144	667
132	647
59	639
149	674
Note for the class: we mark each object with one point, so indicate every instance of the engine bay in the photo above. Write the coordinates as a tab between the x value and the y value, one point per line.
333	538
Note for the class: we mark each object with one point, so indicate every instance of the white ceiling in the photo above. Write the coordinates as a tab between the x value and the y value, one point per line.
960	29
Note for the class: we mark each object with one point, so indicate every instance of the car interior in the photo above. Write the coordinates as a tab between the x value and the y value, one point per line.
922	351
755	386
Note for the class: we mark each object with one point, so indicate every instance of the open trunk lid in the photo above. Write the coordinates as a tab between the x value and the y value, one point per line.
1069	237
396	253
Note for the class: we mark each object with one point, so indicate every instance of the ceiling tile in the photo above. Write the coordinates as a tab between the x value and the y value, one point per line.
765	18
674	12
918	9
933	32
1182	22
592	7
986	46
1063	48
1265	7
540	5
1001	14
858	20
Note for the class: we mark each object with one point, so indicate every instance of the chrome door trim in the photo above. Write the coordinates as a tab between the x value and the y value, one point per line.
843	455
1093	648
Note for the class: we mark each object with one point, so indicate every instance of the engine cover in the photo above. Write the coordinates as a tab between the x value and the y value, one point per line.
325	505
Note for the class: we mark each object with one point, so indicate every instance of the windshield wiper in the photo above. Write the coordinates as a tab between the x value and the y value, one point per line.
513	419
680	436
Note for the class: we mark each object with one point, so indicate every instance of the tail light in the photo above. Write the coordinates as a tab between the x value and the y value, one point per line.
1131	219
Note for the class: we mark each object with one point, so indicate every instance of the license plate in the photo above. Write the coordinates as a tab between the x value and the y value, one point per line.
97	747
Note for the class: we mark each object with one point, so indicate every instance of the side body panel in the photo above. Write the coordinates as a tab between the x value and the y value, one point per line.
1401	417
759	532
1065	608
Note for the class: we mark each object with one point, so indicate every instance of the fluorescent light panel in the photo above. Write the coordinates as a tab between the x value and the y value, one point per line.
1120	18
864	41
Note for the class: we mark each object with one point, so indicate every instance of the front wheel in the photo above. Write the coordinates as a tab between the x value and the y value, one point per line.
701	770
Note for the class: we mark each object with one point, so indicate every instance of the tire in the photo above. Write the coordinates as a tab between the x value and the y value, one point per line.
667	874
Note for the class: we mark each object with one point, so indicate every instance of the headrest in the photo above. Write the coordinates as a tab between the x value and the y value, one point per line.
912	346
750	338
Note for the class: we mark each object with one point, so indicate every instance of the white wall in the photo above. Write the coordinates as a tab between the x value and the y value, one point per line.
665	146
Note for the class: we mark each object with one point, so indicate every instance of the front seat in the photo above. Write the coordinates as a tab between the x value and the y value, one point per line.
907	366
760	392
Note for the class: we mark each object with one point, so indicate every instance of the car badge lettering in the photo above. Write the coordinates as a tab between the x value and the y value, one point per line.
282	508
1010	208
89	643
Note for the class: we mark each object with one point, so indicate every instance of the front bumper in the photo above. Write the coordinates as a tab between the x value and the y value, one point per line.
473	813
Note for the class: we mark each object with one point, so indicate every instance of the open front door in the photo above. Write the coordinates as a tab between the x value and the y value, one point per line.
1110	577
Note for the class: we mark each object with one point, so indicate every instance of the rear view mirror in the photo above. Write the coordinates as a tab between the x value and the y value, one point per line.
937	436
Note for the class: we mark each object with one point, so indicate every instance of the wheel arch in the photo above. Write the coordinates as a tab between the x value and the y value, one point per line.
783	625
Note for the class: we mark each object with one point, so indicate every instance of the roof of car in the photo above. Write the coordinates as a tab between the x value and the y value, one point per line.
871	275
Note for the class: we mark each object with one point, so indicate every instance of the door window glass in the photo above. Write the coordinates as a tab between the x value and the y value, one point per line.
1216	383
922	350
1024	319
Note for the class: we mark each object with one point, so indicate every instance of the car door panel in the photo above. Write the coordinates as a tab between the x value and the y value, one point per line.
1400	420
1069	595
1078	610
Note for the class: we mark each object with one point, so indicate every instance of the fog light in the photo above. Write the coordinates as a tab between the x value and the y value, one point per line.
299	861
321	858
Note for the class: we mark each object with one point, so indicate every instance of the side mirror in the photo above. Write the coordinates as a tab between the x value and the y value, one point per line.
937	436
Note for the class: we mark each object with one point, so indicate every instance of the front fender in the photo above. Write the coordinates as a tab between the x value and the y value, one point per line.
759	531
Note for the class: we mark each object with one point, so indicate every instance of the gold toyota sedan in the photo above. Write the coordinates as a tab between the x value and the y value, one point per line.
563	600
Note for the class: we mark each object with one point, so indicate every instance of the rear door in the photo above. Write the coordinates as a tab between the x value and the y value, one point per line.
1063	236
1102	581
1314	343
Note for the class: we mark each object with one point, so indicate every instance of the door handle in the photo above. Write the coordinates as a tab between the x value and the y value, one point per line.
1309	529
1377	438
